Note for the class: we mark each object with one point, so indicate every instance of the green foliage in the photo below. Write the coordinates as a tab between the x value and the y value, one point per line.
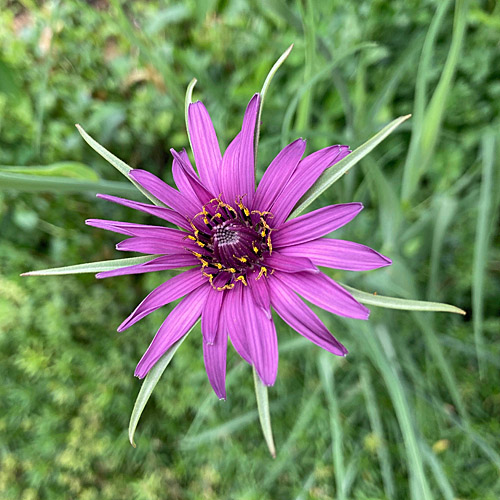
406	414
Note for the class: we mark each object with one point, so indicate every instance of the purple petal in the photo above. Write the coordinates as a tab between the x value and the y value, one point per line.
287	264
158	264
304	176
214	356
202	193
175	326
165	193
261	338
157	245
229	165
338	254
325	293
260	293
278	174
167	292
234	319
301	318
238	164
181	177
205	145
212	312
315	224
139	230
161	212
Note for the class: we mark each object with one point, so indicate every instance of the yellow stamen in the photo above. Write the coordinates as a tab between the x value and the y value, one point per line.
242	279
218	265
199	243
191	237
241	259
196	254
255	249
263	271
269	244
225	287
209	276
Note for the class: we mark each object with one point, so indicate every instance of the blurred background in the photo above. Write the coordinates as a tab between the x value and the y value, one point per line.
413	411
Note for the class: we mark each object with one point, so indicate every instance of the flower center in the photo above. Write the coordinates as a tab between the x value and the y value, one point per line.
232	242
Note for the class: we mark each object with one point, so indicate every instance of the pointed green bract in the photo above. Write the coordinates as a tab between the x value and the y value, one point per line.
120	165
149	384
264	414
371	299
187	102
265	88
92	267
334	173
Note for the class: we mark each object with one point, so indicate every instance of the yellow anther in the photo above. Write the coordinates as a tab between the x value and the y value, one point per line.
243	208
205	220
262	213
196	254
210	277
241	259
230	269
263	271
204	263
255	249
225	287
263	233
269	244
199	243
218	265
242	279
191	237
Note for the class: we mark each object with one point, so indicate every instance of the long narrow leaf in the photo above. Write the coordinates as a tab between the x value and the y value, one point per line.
371	299
120	165
92	267
72	169
334	173
481	244
149	384
264	414
47	184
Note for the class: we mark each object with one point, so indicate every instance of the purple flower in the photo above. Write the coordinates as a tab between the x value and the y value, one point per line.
244	256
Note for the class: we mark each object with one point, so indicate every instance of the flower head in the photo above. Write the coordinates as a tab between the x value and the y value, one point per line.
245	258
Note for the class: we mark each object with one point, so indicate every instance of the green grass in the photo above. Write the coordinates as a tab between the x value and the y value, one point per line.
412	412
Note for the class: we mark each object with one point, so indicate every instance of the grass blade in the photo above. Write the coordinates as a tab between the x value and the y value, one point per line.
334	173
149	384
264	414
383	454
92	267
377	347
403	304
327	380
481	245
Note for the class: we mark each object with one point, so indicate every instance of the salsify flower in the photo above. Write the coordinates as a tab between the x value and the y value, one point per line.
244	257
